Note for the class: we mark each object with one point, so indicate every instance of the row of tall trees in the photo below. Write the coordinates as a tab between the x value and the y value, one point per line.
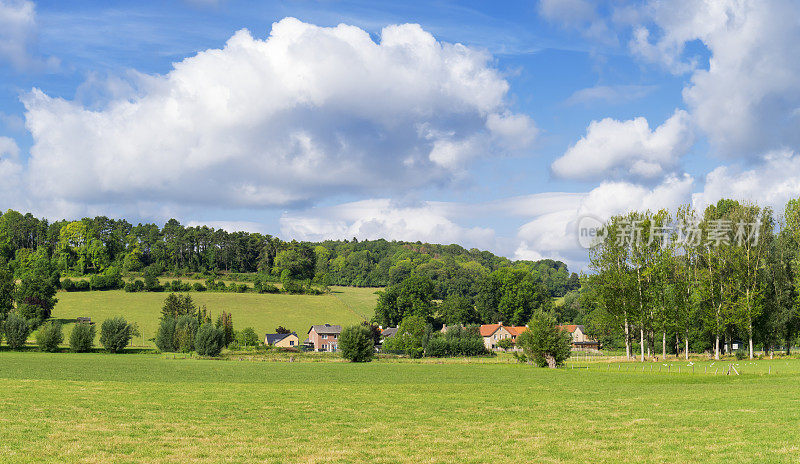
695	281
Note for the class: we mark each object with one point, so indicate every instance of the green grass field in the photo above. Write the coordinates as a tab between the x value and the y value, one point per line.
98	408
263	312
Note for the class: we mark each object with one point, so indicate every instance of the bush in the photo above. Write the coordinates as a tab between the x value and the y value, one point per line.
115	334
49	336
135	286
68	285
81	286
110	279
17	331
437	348
506	344
269	288
165	337
741	354
198	287
247	337
81	339
356	345
209	340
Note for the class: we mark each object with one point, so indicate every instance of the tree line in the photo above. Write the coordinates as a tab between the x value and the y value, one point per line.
695	281
106	248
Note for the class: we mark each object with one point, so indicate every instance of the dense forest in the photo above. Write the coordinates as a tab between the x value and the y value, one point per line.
95	245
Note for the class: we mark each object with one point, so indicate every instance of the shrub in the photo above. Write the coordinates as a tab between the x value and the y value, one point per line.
49	336
68	285
198	287
115	334
17	331
81	286
247	337
165	337
209	340
110	279
135	286
81	339
437	347
741	354
506	344
269	288
355	343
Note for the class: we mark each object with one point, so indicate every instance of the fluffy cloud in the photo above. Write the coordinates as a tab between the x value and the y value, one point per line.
774	181
748	96
382	218
305	113
553	234
18	35
627	149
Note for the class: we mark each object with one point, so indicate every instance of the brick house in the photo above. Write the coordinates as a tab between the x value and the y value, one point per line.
324	337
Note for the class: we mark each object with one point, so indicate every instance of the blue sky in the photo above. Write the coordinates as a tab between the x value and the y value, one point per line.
544	112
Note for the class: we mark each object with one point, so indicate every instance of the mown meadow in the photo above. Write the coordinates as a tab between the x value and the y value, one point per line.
95	407
263	312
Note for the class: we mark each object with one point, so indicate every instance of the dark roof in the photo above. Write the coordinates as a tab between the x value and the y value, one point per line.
389	332
326	329
272	339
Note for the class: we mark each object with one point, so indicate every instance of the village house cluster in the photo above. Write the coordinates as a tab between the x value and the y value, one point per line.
325	337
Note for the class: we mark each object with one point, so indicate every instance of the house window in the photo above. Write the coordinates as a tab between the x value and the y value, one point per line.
335	336
324	337
291	342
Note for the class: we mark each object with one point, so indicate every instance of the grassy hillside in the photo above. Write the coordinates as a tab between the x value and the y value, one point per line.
344	305
148	408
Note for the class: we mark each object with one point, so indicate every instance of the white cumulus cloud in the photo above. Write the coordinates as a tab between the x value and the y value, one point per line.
747	98
772	182
305	113
627	149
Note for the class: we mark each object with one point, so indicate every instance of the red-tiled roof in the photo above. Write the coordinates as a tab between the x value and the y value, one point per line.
568	328
488	329
516	330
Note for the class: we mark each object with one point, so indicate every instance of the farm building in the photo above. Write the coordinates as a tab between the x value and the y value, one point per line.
579	339
493	333
282	340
